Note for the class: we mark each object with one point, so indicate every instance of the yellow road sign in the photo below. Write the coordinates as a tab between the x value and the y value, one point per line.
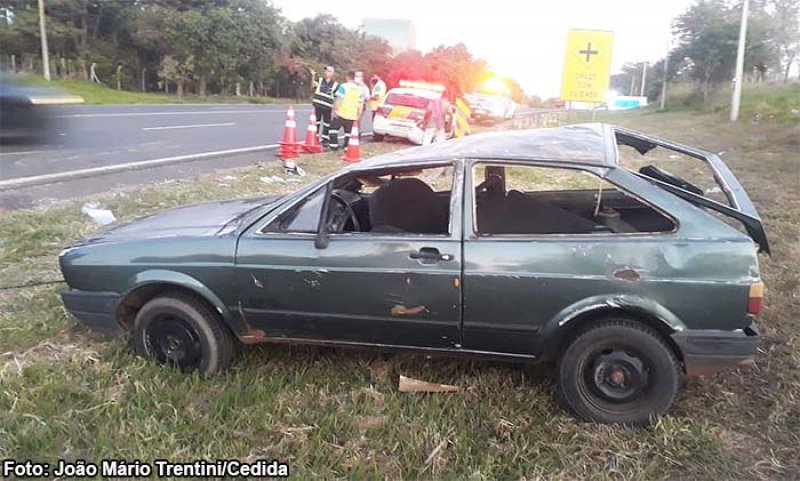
587	66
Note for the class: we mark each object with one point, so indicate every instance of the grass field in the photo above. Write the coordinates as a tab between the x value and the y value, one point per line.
331	413
760	103
101	94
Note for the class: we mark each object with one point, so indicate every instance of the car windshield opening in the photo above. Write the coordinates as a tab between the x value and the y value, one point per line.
395	202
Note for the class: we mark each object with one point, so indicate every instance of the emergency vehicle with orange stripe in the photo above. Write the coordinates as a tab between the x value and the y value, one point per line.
402	111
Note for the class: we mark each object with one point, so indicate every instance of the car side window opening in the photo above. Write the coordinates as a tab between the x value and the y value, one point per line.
392	202
520	199
303	217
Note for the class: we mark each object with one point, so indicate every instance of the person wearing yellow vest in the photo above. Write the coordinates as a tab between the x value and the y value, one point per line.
322	101
347	109
378	92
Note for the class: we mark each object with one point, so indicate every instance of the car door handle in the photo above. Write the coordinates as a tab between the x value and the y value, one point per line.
430	254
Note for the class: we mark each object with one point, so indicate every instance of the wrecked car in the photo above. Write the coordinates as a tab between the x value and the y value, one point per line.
518	245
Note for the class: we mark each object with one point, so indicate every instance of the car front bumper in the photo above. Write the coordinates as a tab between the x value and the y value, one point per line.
709	351
95	309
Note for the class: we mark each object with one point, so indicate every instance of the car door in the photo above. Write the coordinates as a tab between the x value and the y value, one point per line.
532	250
375	288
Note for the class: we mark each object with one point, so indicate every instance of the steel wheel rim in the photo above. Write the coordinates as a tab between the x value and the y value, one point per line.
612	378
172	340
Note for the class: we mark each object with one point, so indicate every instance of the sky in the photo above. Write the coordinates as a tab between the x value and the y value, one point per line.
522	39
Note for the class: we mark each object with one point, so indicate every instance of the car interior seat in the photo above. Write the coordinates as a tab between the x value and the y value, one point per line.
407	205
519	213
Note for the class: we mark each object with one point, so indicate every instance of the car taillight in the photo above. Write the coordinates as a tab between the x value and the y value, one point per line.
755	299
384	110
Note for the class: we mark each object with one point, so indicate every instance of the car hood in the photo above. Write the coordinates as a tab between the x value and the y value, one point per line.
203	219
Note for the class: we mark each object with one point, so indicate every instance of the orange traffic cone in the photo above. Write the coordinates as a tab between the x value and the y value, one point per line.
353	151
312	145
289	147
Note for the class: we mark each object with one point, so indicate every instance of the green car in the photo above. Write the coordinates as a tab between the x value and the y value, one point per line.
566	244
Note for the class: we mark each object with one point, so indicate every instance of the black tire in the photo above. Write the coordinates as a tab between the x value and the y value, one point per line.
378	137
178	329
618	371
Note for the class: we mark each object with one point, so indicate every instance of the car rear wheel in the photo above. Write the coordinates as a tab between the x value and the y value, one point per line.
179	330
618	371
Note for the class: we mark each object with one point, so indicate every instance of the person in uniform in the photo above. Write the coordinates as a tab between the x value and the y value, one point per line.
377	94
323	99
347	108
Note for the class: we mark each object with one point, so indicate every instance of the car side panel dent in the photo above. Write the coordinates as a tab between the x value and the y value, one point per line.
622	303
179	279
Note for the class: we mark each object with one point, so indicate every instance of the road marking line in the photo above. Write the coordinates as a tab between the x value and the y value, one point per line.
110	169
26	152
195	126
145	114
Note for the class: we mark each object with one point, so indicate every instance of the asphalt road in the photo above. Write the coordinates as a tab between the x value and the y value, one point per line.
100	148
201	137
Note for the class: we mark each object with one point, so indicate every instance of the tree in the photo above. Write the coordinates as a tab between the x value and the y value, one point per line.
516	90
707	35
171	70
207	46
785	21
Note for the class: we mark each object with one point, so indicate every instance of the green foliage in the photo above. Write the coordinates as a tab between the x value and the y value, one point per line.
200	47
772	104
454	67
707	38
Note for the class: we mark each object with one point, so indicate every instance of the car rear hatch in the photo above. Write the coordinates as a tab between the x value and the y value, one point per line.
404	108
740	206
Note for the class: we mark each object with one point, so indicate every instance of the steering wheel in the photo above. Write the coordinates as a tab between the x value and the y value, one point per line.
339	197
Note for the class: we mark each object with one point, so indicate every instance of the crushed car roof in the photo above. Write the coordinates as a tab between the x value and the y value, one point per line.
592	144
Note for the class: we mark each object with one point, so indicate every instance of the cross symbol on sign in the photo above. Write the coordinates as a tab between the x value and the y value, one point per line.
588	52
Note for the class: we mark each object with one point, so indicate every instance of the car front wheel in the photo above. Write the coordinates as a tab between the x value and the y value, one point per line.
179	330
618	371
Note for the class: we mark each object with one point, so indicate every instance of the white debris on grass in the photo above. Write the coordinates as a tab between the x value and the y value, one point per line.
291	167
98	214
276	179
408	384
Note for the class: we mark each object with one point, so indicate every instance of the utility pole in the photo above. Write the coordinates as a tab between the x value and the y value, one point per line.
737	81
664	82
43	35
644	79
